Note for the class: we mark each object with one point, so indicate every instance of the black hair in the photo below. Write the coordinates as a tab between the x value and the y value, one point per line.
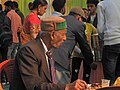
8	3
58	4
0	7
36	3
15	4
95	2
30	5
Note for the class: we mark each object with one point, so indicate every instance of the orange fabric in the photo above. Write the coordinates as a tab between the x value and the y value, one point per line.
16	24
7	65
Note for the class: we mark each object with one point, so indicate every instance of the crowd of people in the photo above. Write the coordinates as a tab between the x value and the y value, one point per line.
67	39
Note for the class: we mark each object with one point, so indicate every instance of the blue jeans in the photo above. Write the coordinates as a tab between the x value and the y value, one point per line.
111	62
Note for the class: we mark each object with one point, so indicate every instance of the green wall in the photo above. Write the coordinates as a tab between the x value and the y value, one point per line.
23	5
73	3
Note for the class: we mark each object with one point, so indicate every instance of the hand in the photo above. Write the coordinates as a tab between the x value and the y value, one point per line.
77	85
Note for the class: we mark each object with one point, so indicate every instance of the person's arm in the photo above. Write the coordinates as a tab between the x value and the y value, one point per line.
83	44
77	85
101	20
77	49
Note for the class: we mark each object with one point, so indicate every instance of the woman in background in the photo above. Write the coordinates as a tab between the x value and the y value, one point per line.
32	21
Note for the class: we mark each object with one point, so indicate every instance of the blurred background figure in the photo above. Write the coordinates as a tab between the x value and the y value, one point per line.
16	8
86	12
59	7
16	27
90	29
92	6
5	39
32	22
0	25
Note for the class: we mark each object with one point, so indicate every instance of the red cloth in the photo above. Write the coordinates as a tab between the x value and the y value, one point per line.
32	23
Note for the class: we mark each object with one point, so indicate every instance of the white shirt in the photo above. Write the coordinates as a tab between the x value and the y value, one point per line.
57	14
45	48
109	21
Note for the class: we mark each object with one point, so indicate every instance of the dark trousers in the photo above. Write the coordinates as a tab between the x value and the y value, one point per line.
76	62
4	51
111	62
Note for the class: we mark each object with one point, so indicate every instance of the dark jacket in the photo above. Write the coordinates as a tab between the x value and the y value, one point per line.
75	34
94	22
31	71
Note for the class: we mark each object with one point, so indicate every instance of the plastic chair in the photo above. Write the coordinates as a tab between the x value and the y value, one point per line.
110	88
7	66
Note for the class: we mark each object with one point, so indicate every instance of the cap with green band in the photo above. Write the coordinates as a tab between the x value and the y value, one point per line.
53	23
61	26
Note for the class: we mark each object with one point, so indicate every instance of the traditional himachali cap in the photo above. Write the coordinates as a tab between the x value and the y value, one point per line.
53	23
78	10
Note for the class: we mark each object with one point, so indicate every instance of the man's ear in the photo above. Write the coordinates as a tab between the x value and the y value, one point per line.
52	34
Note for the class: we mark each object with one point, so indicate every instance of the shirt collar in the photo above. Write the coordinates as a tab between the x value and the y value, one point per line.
45	47
55	13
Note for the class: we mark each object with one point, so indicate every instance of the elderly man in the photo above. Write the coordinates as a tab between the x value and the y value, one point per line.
33	68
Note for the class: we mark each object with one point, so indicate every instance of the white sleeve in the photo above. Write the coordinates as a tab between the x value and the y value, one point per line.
77	49
101	20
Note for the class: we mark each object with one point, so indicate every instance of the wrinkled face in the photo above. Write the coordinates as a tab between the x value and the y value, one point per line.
58	38
41	10
91	8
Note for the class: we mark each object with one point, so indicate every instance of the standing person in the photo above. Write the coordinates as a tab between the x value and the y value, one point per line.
86	12
92	6
16	8
5	40
32	21
90	29
109	31
59	7
62	55
0	25
5	36
32	67
16	27
77	56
